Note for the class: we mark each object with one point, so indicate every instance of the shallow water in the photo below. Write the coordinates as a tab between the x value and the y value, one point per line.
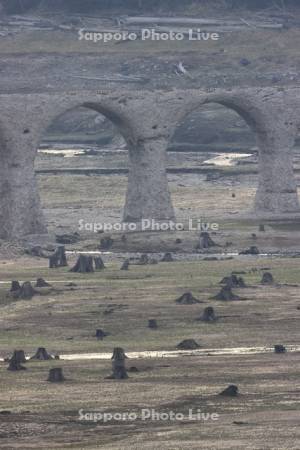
226	159
157	354
179	353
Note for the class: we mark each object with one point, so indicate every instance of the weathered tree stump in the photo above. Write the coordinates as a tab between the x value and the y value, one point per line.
118	365
36	251
167	257
56	375
41	283
205	241
125	265
187	299
253	250
267	278
133	369
230	391
15	286
106	243
153	261
144	260
15	362
41	355
99	264
279	348
233	281
262	228
226	294
27	291
208	315
67	238
188	344
59	258
100	334
84	264
152	323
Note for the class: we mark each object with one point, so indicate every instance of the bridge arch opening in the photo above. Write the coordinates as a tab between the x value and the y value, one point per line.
215	148
81	168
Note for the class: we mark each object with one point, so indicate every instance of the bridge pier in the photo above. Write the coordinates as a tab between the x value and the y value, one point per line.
20	209
277	187
148	195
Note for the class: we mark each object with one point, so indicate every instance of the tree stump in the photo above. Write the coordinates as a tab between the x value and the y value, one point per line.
187	299
167	257
133	369
279	348
205	241
118	365
67	238
59	258
27	291
84	264
253	250
226	294
56	375
144	260
267	278
41	355
100	334
233	281
15	286
208	315
41	283
262	228
188	344
15	362
230	391
152	323
99	264
125	265
106	243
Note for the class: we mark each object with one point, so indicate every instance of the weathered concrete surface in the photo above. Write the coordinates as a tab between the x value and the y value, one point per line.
147	121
